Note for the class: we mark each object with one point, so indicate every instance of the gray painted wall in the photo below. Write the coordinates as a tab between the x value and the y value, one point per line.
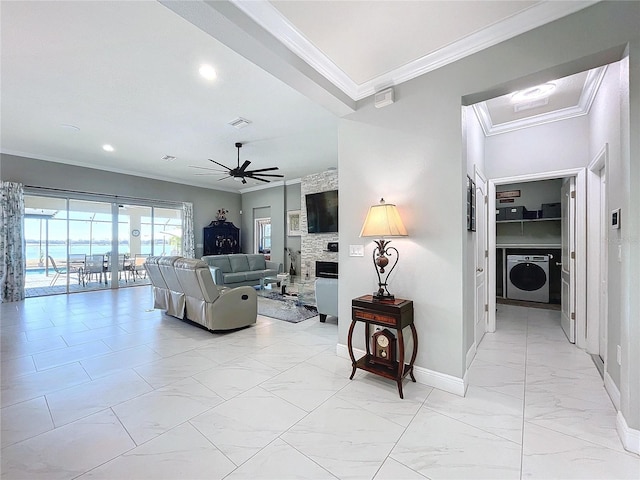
40	173
605	129
274	199
292	202
474	147
411	154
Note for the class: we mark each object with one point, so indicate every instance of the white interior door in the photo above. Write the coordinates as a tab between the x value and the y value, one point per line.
568	298
604	242
481	258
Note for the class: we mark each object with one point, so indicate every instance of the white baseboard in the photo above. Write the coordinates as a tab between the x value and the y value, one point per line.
630	437
471	353
431	378
612	390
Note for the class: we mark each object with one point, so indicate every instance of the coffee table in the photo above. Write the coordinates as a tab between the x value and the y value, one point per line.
296	287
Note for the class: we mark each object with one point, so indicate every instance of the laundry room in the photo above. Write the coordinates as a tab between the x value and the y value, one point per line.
528	243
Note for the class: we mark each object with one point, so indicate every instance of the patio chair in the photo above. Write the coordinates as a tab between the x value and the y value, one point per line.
120	266
58	271
76	265
94	265
137	266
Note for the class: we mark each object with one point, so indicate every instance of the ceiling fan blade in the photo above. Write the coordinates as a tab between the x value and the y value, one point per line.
206	174
218	163
264	170
264	175
244	166
223	178
209	169
261	179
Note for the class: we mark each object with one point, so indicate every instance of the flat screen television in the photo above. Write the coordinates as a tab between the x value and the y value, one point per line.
322	212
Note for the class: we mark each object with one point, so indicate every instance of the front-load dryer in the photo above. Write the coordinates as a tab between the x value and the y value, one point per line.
528	278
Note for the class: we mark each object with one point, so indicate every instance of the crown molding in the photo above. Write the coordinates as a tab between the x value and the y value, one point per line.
591	85
267	16
111	169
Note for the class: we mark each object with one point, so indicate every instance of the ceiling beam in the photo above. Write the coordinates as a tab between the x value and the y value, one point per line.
229	25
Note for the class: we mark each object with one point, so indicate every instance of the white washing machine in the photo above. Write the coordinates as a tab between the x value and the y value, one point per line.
528	278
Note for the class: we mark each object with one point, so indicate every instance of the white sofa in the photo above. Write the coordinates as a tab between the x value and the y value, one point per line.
185	288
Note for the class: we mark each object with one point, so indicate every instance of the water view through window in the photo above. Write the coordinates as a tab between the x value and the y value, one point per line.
69	243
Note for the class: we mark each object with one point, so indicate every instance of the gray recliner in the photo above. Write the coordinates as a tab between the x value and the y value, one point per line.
175	305
216	308
327	297
160	289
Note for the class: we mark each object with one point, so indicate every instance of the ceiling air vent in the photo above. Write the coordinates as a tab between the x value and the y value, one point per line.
169	158
239	123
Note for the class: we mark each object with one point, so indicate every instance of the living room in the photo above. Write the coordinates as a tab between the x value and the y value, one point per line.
411	153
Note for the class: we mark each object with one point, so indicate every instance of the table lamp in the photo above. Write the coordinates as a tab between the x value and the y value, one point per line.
383	220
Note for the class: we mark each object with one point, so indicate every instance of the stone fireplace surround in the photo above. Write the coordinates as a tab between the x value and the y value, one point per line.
314	246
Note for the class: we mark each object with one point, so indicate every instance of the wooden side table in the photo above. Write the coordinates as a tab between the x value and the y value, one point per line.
396	314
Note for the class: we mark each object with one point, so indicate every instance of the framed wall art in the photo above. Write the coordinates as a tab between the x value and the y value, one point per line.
293	223
471	205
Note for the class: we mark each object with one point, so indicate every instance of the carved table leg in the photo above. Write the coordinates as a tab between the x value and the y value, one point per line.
350	348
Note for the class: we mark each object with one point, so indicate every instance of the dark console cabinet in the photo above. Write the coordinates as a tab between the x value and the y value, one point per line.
221	238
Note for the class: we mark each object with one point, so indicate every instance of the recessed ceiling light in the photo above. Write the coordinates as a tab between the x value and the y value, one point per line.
539	91
208	72
108	148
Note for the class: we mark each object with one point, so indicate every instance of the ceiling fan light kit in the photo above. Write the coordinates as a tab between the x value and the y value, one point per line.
240	173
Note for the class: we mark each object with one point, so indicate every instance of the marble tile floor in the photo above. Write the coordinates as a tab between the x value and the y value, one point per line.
99	385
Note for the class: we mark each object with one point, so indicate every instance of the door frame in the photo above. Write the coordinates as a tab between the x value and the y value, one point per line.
484	260
596	302
580	235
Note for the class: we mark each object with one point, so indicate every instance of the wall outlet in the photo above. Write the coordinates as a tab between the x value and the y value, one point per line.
618	354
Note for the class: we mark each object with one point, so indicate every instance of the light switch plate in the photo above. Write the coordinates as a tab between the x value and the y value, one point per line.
356	250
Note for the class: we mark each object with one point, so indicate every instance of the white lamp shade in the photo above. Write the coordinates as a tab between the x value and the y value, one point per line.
383	220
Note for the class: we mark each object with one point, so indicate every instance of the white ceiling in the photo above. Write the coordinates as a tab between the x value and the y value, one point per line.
125	73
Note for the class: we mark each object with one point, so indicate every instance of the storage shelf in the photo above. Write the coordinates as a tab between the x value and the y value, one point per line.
364	363
523	220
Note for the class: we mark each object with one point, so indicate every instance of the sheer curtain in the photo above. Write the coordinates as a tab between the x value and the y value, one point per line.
11	242
187	227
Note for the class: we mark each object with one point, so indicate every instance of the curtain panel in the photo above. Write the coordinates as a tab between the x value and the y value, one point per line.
12	262
188	243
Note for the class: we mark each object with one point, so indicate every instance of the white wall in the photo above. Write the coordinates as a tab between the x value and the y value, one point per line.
605	129
411	154
474	151
544	148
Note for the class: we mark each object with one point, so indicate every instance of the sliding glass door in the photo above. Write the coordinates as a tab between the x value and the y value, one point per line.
78	244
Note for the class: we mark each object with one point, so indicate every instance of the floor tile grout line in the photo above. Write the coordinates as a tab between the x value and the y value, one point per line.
524	395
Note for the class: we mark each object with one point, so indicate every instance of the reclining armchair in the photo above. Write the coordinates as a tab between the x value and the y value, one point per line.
185	288
217	308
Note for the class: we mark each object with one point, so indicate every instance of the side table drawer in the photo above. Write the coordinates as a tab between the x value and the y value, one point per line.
374	317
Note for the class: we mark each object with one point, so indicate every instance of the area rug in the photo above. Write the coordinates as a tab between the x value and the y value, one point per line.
282	308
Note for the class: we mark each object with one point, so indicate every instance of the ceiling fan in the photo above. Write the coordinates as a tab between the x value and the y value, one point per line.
240	173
